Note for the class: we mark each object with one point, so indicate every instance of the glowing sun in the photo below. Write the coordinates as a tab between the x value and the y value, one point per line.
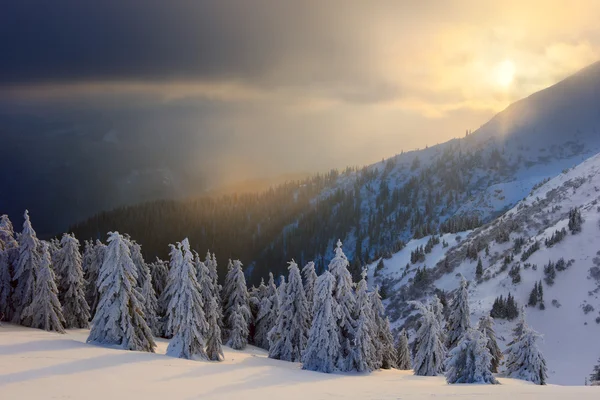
504	73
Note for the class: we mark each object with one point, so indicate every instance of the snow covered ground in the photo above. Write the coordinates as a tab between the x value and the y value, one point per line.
39	365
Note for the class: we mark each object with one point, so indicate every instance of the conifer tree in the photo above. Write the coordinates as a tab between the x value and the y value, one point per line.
310	279
9	251
429	352
144	286
45	310
403	356
71	284
366	354
237	310
524	360
323	344
533	296
386	353
26	268
225	295
438	310
459	319
214	348
159	270
267	314
469	361
211	264
287	339
91	275
119	319
209	290
479	269
344	297
486	326
185	310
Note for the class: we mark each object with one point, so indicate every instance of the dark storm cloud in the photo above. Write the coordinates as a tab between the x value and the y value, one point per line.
150	40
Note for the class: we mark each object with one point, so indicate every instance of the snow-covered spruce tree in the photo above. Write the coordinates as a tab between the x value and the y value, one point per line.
26	268
281	289
524	360
386	353
343	294
486	326
237	311
71	284
91	276
159	270
438	310
54	249
225	295
519	327
310	278
214	348
595	376
287	339
429	353
185	310
469	361
365	354
9	251
323	346
209	291
144	285
211	263
45	310
119	319
267	314
403	358
459	319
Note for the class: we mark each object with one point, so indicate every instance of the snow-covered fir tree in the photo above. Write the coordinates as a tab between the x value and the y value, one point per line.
486	326
281	289
144	285
310	279
159	270
9	251
430	353
323	346
209	291
365	354
44	312
267	314
45	309
214	347
524	360
119	319
287	339
225	295
459	319
343	294
91	275
71	284
185	310
54	249
403	358
237	310
28	263
438	310
386	353
469	361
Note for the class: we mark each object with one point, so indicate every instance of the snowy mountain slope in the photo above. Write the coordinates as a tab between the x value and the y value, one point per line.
571	324
35	364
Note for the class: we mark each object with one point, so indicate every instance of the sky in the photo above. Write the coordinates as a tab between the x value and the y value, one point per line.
264	87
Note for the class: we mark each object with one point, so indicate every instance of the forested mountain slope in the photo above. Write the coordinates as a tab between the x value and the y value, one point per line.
449	187
551	239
